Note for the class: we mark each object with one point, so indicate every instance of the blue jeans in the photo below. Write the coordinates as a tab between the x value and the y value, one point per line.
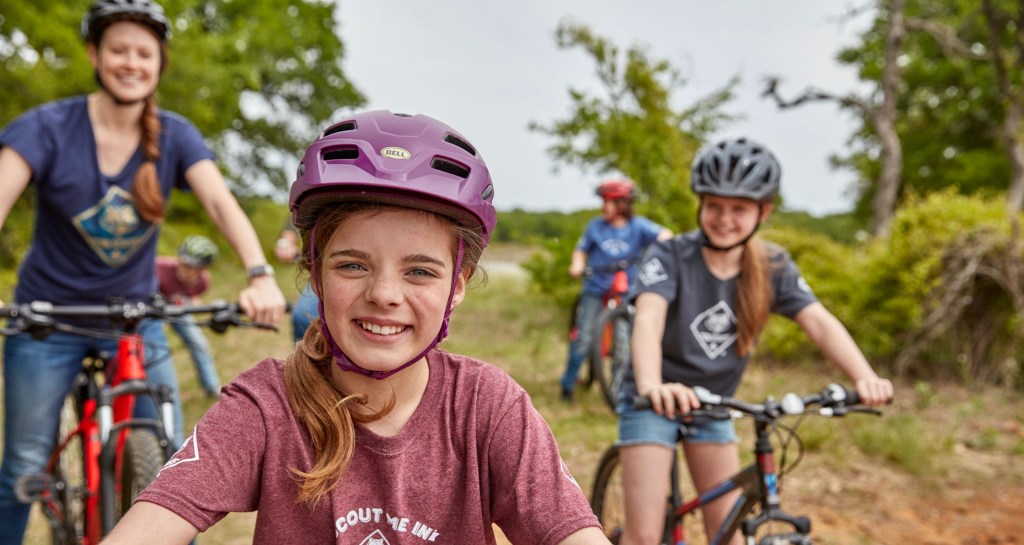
37	376
590	306
199	348
303	312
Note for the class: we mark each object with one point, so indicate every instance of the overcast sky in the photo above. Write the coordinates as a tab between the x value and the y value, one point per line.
490	68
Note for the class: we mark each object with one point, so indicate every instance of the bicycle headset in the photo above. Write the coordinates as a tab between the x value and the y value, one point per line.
740	168
197	251
382	157
103	13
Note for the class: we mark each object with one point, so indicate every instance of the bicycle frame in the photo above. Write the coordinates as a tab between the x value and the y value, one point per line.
105	419
759	483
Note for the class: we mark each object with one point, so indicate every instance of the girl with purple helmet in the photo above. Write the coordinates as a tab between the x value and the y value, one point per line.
369	432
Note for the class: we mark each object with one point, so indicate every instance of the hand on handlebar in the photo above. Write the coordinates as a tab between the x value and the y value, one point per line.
263	301
670	398
874	391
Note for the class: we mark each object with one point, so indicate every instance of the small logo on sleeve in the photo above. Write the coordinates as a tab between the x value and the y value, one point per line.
653	272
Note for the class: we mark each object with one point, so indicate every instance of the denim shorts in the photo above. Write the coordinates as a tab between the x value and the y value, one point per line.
646	427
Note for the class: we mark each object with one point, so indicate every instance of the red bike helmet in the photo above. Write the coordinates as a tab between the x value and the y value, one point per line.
616	189
382	157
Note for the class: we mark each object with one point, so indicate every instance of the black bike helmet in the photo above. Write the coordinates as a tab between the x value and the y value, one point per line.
736	168
103	12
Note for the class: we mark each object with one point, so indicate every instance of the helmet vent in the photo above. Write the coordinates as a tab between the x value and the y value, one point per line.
451	167
487	193
345	153
341	127
455	140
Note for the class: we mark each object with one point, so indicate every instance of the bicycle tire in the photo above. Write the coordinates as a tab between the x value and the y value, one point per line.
607	498
142	459
609	351
67	522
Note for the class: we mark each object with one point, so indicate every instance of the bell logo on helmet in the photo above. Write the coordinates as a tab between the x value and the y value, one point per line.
395	152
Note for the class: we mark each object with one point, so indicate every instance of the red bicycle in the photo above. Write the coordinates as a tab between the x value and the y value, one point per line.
104	456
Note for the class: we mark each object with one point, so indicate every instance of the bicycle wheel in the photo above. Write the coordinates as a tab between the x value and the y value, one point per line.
142	459
610	350
607	500
65	507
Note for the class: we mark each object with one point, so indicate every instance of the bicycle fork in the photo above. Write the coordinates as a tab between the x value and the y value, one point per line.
116	404
771	509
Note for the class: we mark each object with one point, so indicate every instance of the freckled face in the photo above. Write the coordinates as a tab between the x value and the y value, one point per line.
127	60
386	279
728	220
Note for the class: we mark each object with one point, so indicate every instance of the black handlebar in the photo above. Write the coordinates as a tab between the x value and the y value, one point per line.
833	400
40	317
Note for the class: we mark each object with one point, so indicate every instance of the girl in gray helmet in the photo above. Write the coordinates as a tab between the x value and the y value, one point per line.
702	299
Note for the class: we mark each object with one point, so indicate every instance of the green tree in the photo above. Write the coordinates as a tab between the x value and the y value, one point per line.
634	127
953	108
259	79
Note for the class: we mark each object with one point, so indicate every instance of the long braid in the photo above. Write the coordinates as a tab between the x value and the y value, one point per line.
149	197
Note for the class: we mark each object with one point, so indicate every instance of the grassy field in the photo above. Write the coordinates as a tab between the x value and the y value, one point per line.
937	456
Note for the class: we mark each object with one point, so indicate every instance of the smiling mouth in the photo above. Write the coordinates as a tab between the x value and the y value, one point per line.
381	330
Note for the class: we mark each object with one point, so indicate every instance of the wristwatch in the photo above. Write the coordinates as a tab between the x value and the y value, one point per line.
263	269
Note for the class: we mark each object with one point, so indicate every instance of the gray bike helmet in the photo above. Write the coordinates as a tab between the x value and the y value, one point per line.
103	12
736	168
197	251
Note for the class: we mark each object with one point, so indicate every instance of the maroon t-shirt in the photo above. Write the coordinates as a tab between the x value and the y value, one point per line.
171	288
475	452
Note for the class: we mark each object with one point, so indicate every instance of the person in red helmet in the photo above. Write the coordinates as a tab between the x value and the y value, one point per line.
370	433
617	236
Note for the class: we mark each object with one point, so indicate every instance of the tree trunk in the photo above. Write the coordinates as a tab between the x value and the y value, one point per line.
1010	130
884	120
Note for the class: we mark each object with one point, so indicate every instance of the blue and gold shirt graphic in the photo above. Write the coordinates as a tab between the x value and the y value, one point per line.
112	227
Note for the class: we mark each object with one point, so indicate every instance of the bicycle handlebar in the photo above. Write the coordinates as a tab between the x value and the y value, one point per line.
615	266
38	317
833	400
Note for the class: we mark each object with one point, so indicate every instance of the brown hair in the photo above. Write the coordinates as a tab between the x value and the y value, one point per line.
753	295
149	197
317	402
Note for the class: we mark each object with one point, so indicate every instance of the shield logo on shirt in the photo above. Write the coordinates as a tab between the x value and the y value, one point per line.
653	272
715	329
112	227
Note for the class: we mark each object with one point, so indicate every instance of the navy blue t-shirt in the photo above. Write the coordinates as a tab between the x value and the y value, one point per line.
88	242
606	244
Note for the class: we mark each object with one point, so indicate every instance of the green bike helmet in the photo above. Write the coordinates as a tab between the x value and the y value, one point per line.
197	251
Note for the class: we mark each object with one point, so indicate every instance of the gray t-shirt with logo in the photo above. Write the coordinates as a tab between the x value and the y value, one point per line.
699	344
475	452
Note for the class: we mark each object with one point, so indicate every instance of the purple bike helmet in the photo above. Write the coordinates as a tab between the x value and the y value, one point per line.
383	157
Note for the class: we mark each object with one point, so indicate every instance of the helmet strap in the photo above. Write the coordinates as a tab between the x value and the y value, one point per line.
340	358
